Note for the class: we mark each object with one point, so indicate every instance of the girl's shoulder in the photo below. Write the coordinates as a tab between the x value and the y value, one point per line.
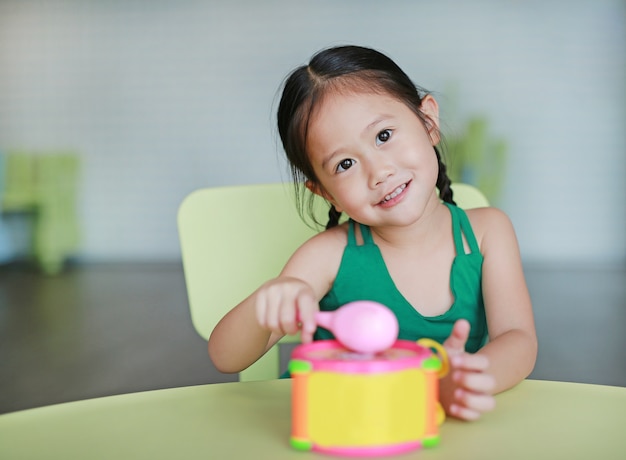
486	215
325	248
490	225
331	239
318	259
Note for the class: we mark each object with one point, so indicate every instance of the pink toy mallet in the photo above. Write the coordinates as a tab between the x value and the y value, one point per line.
362	326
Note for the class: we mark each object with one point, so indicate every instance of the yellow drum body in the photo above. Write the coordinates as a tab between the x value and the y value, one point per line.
345	403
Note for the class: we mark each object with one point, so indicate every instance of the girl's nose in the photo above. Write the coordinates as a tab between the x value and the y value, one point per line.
381	169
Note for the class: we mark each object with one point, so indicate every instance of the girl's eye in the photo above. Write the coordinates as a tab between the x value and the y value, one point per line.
383	136
344	165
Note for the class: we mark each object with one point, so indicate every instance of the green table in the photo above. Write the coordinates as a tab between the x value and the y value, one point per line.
535	420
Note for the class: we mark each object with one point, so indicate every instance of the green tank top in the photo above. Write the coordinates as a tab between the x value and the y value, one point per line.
363	275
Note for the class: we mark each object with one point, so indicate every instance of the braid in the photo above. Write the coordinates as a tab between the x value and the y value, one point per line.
443	181
333	217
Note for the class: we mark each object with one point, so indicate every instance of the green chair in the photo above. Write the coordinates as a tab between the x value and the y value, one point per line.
235	238
45	187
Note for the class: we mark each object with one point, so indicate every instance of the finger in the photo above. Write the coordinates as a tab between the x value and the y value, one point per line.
458	337
307	308
470	362
476	382
287	318
272	312
464	413
474	401
479	382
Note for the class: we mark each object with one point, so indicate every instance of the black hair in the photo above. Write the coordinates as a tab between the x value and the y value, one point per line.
342	68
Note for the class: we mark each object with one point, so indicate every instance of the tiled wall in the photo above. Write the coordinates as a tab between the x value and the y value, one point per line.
161	97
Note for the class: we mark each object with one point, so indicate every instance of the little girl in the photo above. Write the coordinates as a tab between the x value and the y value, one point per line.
360	134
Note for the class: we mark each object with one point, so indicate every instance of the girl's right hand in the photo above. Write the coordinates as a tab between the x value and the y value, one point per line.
467	391
286	304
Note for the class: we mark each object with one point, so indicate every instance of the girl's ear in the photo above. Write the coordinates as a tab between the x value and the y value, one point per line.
430	110
319	190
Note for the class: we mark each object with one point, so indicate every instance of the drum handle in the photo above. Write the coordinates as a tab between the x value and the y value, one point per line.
440	351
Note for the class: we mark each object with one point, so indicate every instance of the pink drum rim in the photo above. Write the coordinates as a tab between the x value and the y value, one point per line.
364	366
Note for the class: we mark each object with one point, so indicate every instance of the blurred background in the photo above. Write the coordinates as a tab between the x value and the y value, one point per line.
111	112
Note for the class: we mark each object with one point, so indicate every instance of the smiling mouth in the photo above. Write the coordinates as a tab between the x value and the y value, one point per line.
393	194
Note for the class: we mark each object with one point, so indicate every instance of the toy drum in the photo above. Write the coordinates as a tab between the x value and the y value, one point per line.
346	403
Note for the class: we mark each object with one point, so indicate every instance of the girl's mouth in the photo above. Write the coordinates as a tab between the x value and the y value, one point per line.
390	199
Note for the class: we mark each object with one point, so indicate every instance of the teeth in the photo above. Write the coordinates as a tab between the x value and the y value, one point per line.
395	193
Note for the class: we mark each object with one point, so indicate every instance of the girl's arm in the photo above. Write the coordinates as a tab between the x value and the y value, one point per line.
510	355
512	347
275	308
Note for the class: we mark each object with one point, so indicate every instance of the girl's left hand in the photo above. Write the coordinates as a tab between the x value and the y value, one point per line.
467	391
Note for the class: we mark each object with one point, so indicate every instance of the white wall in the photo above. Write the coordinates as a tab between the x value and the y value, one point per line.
163	97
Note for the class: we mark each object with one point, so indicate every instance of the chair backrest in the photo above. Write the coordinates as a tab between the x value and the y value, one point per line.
235	238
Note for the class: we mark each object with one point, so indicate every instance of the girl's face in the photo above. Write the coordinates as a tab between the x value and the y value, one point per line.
374	157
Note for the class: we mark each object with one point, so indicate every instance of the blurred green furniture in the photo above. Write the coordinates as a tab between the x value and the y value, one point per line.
43	186
476	158
235	238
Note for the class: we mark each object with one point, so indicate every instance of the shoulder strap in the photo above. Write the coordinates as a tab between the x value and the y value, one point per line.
366	233
456	229
468	232
351	237
460	222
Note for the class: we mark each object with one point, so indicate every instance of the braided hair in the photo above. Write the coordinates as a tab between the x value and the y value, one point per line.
443	181
341	68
